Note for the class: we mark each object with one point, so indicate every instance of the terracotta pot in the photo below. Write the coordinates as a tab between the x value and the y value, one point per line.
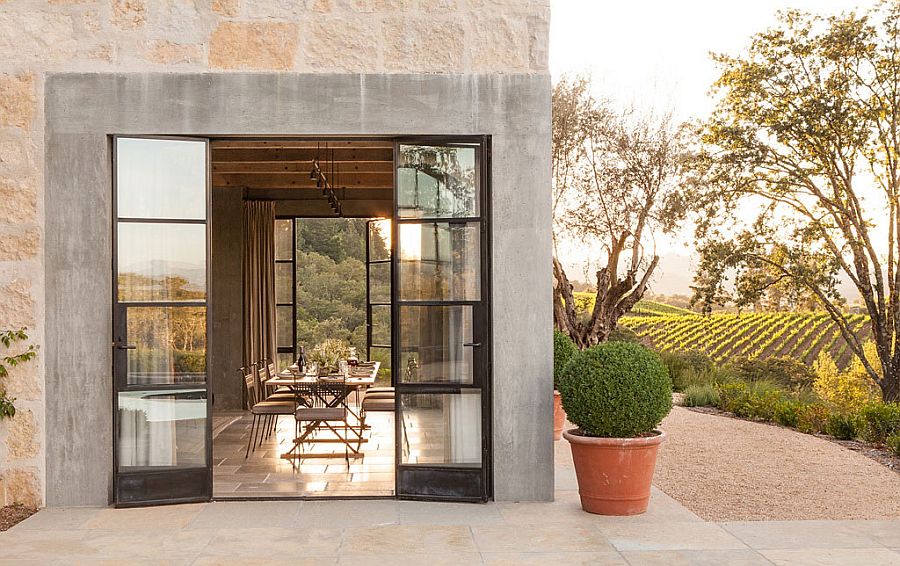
614	474
559	415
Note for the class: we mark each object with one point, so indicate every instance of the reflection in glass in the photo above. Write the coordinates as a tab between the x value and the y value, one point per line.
162	428
161	262
160	178
440	261
441	428
432	342
380	282
170	345
284	327
437	182
284	239
284	281
379	239
381	325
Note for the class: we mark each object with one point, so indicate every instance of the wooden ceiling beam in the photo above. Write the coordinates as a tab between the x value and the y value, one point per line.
303	154
312	195
268	144
300	166
301	180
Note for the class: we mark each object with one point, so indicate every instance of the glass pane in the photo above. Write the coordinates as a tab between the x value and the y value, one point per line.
283	360
284	280
161	262
284	239
162	428
161	178
437	182
440	261
380	282
379	240
431	344
382	355
170	345
284	327
381	325
441	428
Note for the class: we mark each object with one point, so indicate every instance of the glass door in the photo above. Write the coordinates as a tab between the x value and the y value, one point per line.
440	321
162	444
378	293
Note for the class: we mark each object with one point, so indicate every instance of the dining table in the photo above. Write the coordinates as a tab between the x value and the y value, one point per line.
333	390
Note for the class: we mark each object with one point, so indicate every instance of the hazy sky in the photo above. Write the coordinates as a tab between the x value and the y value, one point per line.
655	54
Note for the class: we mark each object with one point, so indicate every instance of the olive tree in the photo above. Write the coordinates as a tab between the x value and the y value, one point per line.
617	182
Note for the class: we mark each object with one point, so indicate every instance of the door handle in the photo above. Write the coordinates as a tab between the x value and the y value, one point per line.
472	344
123	347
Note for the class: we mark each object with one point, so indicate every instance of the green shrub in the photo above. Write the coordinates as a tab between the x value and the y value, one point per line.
701	396
616	390
880	421
623	334
893	444
786	372
843	426
787	412
563	350
813	418
688	368
756	401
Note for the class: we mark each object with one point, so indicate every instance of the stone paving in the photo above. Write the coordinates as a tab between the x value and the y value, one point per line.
402	532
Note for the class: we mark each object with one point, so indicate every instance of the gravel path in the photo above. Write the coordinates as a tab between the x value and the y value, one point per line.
725	469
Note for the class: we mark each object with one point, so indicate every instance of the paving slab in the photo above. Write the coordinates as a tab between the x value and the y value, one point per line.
608	558
833	556
409	539
802	534
539	538
235	514
669	536
738	557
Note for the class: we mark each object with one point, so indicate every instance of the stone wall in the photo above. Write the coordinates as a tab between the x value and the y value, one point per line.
312	36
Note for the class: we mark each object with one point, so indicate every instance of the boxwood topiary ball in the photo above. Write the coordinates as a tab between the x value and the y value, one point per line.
616	390
563	350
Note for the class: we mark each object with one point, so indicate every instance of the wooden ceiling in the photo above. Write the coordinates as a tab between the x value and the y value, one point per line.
280	170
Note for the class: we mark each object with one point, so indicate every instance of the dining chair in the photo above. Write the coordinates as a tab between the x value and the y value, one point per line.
262	410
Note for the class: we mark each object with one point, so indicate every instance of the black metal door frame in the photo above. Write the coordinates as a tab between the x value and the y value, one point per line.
447	482
156	486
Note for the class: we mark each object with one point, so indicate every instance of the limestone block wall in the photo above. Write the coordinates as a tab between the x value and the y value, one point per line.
311	36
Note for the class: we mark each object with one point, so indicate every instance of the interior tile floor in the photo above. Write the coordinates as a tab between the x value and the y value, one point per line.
323	473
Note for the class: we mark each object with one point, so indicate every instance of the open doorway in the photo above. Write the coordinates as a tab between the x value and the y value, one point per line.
312	322
332	201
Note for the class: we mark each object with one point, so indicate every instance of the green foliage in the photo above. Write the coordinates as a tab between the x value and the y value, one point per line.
755	401
616	390
843	426
331	281
813	418
8	338
880	421
893	444
705	395
563	350
787	412
688	368
786	372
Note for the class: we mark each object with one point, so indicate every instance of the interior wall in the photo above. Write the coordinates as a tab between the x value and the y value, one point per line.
226	322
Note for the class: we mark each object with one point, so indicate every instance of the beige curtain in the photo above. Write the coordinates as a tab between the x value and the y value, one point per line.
259	281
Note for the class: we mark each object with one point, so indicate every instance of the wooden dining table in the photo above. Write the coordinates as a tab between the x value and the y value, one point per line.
327	391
